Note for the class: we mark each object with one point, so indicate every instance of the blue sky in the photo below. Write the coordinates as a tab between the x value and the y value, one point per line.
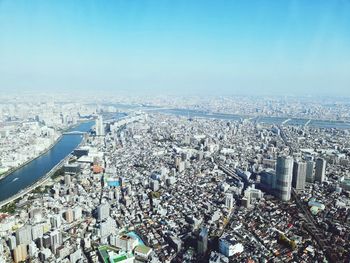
176	47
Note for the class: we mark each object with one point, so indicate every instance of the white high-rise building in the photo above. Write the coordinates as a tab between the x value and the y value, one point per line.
284	174
229	201
56	238
78	213
320	170
24	235
100	128
67	179
37	231
108	227
299	175
103	211
310	175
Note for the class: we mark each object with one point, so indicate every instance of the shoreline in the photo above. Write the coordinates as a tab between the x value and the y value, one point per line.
12	170
36	184
41	180
244	116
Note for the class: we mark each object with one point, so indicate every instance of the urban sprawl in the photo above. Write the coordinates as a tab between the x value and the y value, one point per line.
152	186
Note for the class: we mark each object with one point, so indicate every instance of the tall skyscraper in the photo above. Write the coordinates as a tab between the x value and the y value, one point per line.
229	201
102	212
284	173
320	170
310	175
37	231
100	129
202	244
299	175
56	238
24	235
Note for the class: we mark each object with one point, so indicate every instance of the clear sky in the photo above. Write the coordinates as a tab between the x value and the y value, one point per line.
213	47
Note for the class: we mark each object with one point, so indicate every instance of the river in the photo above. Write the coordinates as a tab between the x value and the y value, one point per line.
36	169
235	117
267	120
32	172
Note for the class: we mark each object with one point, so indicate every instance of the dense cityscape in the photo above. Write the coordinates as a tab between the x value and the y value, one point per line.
187	131
176	183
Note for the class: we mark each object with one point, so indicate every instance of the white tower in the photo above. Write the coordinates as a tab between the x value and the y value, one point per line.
100	129
284	173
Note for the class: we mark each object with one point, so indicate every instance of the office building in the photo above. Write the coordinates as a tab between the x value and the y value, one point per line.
310	175
78	213
56	238
100	129
102	212
24	235
56	221
284	173
20	253
76	256
229	201
37	231
320	170
73	168
124	242
12	242
299	175
69	215
154	185
268	179
67	179
252	195
46	241
108	227
202	244
229	246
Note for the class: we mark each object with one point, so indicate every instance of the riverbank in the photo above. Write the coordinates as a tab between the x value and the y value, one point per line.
76	125
317	123
37	169
38	183
14	169
46	178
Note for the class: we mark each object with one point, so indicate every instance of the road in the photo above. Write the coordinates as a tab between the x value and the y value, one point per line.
310	224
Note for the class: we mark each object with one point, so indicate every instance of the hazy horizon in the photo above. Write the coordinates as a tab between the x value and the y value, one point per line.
176	47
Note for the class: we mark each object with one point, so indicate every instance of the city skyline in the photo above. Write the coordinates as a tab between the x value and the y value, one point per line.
174	131
182	47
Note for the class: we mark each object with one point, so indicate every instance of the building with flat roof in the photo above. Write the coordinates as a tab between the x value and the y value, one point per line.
284	172
320	170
